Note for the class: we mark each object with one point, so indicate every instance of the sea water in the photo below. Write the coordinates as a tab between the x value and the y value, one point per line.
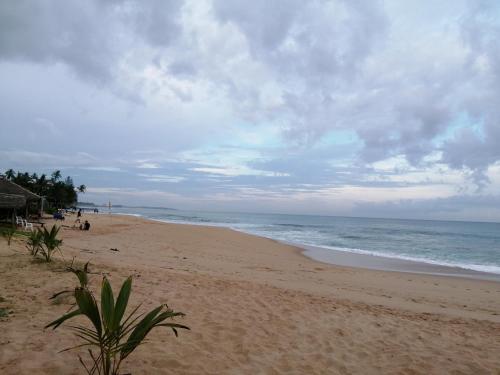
468	245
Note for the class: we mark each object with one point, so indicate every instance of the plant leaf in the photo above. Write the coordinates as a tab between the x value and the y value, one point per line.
140	331
59	293
122	302
107	304
56	323
174	327
88	306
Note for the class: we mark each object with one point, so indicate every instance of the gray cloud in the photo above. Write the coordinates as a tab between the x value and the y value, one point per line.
313	52
91	37
50	32
333	72
478	149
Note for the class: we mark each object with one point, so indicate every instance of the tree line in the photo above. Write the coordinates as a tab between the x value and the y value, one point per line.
59	192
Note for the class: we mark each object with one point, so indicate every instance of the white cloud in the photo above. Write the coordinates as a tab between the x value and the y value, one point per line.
237	171
103	169
162	178
146	165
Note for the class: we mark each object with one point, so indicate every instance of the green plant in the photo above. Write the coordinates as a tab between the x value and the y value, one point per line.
50	242
34	242
8	233
81	274
116	338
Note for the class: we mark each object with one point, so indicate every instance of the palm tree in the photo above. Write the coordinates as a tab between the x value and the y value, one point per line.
10	174
56	176
42	185
81	189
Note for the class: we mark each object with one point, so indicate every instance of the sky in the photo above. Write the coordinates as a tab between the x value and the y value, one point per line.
336	107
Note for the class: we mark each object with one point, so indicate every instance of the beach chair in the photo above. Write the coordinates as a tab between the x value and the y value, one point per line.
19	221
28	226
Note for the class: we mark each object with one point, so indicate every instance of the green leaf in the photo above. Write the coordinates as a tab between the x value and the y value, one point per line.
107	304
173	326
55	295
56	323
122	302
82	277
89	333
140	332
88	306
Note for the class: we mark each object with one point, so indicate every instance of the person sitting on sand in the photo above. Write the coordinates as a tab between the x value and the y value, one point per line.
86	225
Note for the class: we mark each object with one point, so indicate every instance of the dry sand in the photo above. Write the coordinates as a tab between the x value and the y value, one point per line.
254	306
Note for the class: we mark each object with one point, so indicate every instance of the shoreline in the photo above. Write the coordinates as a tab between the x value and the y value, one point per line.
387	264
350	259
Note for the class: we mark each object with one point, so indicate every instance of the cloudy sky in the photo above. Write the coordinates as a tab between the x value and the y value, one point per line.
338	107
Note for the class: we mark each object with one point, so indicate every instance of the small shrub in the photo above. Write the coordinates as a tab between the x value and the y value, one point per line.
8	233
114	337
50	242
34	243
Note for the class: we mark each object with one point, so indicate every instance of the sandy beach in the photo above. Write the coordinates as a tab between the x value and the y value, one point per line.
254	306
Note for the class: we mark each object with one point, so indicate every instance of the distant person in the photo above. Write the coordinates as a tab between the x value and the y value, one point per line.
79	214
86	225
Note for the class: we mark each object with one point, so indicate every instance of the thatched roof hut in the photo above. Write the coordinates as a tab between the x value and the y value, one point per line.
12	201
9	187
15	198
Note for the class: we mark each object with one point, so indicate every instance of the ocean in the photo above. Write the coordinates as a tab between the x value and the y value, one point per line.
467	245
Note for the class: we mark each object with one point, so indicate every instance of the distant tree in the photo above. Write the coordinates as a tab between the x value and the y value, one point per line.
42	185
56	176
23	179
81	189
10	174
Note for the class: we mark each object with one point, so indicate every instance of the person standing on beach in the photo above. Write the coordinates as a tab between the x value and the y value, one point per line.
78	216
